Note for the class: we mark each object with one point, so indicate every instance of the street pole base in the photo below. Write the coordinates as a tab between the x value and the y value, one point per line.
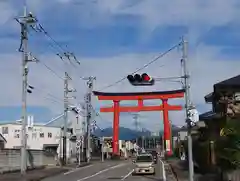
115	157
62	162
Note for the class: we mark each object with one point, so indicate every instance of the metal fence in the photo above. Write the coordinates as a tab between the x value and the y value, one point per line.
10	159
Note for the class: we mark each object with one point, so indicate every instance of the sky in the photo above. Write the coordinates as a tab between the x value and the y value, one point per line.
111	39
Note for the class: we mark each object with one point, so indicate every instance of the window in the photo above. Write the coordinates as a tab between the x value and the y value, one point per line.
16	136
4	130
34	135
49	135
144	158
41	135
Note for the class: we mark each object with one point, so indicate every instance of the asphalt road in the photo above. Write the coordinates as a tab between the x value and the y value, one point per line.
106	171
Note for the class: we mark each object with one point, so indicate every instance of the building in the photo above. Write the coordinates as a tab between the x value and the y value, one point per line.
39	137
46	136
3	141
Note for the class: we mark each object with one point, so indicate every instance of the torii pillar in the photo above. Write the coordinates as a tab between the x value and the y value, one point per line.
164	96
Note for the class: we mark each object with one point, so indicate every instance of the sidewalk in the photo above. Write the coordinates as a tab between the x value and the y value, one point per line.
40	173
33	175
180	170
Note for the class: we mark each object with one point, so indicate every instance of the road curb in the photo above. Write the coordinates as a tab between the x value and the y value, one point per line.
163	170
2	172
77	166
46	176
174	172
171	173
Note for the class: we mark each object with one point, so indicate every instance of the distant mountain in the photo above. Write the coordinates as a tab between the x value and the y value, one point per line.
124	133
175	130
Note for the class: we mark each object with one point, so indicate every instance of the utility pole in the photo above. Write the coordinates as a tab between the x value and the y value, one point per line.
143	139
188	104
89	115
83	136
24	21
136	123
66	107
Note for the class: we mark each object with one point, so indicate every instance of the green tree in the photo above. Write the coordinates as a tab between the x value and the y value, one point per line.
228	145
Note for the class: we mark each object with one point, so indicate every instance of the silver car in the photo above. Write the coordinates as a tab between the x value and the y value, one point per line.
144	164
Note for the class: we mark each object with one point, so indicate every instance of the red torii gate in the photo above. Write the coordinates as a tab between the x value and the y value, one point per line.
140	96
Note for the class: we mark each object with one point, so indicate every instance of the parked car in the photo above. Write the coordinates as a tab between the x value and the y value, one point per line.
154	155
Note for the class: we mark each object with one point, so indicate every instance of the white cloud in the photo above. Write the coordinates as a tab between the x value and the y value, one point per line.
199	16
206	63
206	67
7	13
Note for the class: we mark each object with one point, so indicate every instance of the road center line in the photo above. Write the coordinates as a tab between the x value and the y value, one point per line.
77	169
129	173
102	171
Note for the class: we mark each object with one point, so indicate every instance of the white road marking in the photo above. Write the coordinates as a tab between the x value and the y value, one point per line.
126	176
102	171
163	171
77	169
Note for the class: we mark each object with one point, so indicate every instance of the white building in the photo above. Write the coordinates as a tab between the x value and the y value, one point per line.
38	137
41	136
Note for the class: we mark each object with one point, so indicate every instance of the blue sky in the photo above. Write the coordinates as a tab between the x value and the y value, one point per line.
112	38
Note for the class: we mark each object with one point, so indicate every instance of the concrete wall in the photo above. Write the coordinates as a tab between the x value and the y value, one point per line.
10	159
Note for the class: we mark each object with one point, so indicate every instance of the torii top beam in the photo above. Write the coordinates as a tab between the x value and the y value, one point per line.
117	96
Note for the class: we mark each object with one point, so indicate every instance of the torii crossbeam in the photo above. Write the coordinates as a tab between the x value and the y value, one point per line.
164	96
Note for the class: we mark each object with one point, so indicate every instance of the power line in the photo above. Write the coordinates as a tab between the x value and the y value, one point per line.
61	51
65	53
52	71
61	57
49	94
51	45
99	115
46	66
52	100
144	66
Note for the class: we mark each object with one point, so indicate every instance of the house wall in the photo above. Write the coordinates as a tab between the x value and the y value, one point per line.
37	136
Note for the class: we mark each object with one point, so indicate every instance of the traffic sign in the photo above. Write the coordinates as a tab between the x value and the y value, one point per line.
193	115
